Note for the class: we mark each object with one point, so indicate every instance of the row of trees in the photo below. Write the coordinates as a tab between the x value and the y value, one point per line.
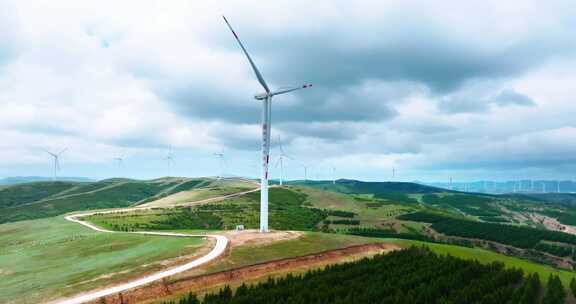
413	275
517	236
389	233
470	204
343	222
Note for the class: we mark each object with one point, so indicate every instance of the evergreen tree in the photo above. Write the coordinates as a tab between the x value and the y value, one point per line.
573	286
554	291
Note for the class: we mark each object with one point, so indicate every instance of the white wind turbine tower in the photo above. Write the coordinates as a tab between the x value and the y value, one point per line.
266	99
56	159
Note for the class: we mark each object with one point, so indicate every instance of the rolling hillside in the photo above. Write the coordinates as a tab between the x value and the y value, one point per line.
472	226
21	194
47	199
376	188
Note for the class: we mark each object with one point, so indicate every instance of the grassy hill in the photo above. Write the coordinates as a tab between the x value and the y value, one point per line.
44	259
402	213
47	199
555	198
287	212
376	188
21	194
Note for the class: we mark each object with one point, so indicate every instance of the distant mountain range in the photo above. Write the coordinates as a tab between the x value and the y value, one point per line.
30	179
518	186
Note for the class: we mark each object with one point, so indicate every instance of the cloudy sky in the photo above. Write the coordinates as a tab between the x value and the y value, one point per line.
470	89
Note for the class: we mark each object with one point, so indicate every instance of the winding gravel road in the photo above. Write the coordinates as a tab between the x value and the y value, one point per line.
221	244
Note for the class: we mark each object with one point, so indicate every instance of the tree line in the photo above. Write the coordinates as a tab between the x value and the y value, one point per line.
517	236
412	275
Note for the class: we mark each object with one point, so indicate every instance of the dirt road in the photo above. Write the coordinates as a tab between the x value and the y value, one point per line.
219	249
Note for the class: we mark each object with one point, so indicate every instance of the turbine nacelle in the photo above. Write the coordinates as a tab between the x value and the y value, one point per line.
261	96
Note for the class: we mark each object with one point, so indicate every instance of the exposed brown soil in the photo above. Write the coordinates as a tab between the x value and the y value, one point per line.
202	283
254	237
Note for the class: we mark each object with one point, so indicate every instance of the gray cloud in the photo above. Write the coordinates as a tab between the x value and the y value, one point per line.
511	97
423	52
318	104
478	98
328	131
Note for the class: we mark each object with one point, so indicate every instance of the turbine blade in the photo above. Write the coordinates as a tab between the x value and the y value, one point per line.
280	145
256	71
291	89
52	154
63	150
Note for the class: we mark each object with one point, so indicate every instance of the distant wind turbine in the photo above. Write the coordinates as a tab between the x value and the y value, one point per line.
221	159
169	158
333	175
266	98
56	159
281	160
120	161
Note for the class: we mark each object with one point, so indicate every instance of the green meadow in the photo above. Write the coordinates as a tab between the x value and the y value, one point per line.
49	258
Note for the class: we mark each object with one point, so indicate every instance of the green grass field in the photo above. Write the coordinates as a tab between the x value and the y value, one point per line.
189	196
372	212
309	243
48	258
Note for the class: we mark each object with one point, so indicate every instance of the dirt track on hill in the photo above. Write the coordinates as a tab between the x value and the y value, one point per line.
203	283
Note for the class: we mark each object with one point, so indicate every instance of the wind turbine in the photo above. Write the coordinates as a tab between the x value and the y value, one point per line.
120	160
305	172
169	158
266	99
333	175
281	160
221	158
56	158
